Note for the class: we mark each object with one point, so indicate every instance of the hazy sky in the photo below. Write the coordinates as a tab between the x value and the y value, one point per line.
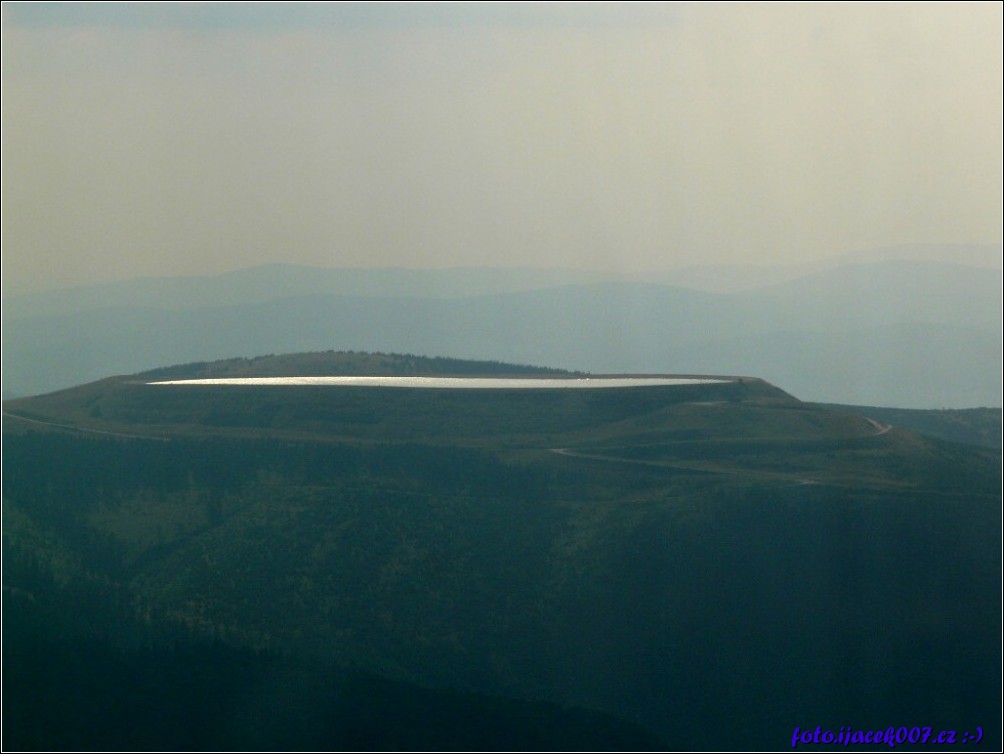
195	138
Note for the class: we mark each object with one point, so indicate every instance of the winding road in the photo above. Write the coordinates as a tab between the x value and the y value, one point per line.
71	428
880	429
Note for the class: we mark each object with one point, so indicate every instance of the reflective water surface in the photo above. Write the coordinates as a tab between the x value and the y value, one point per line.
493	383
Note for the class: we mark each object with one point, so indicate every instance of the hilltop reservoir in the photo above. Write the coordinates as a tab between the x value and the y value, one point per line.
455	383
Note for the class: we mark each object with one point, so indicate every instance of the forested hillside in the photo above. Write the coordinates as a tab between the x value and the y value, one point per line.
697	567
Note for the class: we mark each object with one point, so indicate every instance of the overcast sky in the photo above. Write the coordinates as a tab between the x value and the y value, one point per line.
196	138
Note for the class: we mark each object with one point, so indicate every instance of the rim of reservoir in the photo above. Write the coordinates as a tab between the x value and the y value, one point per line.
456	383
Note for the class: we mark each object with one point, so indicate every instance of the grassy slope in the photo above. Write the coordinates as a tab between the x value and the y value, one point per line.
972	426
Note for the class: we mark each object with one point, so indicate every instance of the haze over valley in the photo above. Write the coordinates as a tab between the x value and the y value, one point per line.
501	376
901	332
807	194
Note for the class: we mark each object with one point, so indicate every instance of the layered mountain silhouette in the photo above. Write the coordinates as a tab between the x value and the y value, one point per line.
895	332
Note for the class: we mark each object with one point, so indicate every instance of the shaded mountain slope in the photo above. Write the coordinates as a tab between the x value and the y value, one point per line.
974	426
68	688
716	563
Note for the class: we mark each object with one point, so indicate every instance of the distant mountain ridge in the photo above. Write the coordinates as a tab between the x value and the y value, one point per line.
282	280
276	281
909	334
